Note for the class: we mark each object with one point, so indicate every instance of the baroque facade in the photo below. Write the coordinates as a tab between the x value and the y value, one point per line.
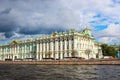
58	45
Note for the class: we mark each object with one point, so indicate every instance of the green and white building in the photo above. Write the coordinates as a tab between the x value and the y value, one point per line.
58	45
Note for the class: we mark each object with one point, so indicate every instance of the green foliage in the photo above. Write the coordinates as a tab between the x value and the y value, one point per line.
108	50
118	48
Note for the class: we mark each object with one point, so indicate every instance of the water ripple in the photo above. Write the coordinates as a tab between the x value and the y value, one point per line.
59	72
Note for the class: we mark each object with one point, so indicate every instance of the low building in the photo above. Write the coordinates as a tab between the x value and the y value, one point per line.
58	45
118	54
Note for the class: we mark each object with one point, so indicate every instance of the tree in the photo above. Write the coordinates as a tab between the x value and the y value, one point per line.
104	48
119	48
108	50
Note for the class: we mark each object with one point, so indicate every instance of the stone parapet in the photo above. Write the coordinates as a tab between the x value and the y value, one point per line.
64	62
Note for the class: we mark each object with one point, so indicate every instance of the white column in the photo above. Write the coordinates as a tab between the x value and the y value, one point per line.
37	51
65	48
10	52
24	50
52	50
47	47
17	49
40	54
40	51
5	52
30	50
43	50
61	49
75	43
70	48
56	50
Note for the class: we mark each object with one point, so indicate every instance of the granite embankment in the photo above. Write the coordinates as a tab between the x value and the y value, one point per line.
66	62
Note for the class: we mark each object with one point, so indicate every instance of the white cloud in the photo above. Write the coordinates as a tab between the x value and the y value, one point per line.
110	35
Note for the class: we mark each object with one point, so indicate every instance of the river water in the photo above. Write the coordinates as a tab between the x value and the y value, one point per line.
59	72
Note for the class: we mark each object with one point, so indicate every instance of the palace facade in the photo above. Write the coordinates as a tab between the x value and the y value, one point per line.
58	45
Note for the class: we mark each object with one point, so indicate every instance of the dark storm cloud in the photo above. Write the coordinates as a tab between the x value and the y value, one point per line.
40	30
33	17
7	27
23	17
6	11
9	34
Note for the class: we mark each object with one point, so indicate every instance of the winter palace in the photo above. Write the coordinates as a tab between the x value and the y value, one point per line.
58	45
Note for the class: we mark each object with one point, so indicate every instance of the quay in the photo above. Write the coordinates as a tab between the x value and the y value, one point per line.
66	62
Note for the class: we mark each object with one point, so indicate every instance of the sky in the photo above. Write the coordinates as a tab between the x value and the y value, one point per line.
22	19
